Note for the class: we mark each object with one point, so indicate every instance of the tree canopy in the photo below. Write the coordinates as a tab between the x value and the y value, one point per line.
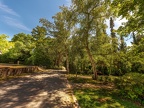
77	39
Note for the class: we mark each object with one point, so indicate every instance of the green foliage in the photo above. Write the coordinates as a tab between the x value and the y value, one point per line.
131	85
107	79
136	57
90	17
5	45
85	79
133	11
91	94
40	54
100	98
77	39
23	46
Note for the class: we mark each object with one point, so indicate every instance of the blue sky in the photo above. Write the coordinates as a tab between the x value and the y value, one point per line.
18	16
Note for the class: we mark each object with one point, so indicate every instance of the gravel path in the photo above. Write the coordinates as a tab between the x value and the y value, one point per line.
41	90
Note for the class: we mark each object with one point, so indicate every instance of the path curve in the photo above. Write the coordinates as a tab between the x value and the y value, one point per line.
41	90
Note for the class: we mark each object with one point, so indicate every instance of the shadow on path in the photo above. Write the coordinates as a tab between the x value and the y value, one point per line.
41	90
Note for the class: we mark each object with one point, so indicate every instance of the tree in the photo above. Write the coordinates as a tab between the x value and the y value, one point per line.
23	46
113	36
135	55
64	24
59	31
5	45
41	52
133	12
91	15
78	56
55	50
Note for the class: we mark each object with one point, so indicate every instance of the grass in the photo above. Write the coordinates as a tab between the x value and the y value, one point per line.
98	94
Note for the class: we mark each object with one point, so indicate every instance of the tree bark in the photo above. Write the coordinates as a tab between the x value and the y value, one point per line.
92	62
67	63
86	39
134	38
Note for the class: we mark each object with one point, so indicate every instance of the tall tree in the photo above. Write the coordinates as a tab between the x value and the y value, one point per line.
64	24
23	46
41	52
113	36
91	15
59	30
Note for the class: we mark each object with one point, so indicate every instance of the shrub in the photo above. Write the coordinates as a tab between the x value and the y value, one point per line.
108	79
131	86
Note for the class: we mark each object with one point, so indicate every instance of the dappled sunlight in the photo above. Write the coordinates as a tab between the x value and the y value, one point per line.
40	90
65	98
97	94
37	100
91	48
87	85
116	105
44	76
90	98
6	89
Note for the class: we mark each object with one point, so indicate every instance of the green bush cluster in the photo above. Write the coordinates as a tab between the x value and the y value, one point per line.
108	79
131	85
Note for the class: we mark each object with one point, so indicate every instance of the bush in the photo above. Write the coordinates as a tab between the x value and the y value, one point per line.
131	86
108	79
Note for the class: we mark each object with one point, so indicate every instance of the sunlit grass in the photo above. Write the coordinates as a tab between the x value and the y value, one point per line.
98	97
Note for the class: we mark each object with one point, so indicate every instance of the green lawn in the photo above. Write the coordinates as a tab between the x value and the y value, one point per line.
98	94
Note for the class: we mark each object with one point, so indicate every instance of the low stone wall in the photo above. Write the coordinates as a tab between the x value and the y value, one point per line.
13	71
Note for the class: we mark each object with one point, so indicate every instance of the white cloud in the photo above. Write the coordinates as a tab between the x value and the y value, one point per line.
8	10
15	23
9	20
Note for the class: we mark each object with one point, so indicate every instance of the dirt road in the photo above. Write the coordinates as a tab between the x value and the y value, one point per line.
41	90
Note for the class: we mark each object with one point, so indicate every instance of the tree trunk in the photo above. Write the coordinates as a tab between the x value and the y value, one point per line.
18	62
59	60
86	39
67	63
92	63
134	38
